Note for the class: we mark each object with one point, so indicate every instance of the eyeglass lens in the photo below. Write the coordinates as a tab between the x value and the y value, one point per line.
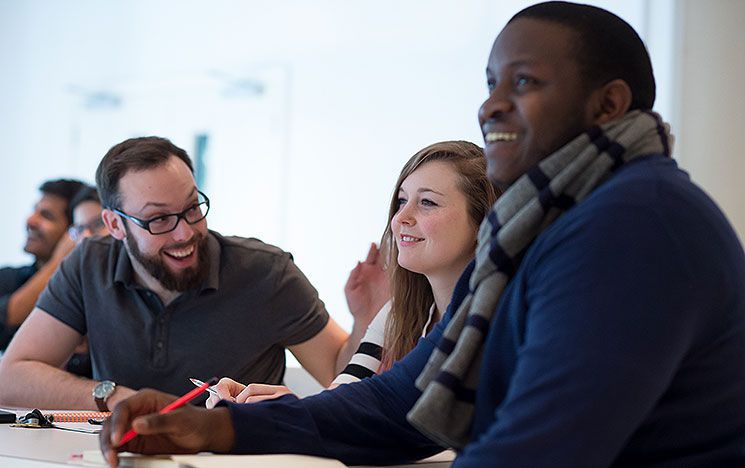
167	223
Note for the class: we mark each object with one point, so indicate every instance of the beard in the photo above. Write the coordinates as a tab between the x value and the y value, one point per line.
187	279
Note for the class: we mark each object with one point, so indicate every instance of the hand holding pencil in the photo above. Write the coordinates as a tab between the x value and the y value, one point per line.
178	403
186	429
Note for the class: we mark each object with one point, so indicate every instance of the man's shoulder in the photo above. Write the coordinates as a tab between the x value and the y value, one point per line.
12	276
653	185
647	205
642	180
249	261
18	270
247	245
101	243
96	258
249	251
92	248
648	198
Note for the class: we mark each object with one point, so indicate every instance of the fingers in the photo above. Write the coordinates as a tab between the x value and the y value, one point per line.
265	389
118	423
227	389
372	254
222	396
354	275
259	392
104	442
160	423
111	457
144	402
256	399
211	401
64	246
184	430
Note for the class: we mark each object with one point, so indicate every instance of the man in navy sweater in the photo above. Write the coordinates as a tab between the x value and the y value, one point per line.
617	331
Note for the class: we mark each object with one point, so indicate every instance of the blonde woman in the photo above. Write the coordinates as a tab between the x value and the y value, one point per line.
439	200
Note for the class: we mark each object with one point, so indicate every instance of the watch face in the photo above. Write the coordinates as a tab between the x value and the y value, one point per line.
104	389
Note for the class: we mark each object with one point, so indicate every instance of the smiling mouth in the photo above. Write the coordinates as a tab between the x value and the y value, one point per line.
494	137
32	234
405	238
181	253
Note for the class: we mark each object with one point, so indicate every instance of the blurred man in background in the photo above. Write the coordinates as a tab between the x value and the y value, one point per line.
85	212
47	240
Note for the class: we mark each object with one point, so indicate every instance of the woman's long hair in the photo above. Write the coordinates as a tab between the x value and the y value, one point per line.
411	293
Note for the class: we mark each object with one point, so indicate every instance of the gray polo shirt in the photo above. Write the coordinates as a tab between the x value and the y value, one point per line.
254	303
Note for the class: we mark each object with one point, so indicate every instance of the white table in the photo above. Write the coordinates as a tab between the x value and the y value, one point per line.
20	446
31	448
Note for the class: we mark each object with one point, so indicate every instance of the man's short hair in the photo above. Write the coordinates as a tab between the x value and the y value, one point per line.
62	188
607	47
135	154
87	193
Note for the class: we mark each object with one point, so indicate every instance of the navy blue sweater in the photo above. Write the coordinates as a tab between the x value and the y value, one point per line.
619	342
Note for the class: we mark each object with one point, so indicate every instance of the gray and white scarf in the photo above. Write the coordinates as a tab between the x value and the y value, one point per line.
444	411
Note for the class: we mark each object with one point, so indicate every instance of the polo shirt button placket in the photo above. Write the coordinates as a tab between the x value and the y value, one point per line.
161	357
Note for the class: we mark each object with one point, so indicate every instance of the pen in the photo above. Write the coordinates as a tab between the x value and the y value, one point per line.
199	383
130	434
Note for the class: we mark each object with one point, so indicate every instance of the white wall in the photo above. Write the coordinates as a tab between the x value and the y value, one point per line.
367	84
711	101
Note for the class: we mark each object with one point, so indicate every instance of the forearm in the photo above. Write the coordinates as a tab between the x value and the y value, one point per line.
360	423
32	384
353	423
23	300
318	355
350	346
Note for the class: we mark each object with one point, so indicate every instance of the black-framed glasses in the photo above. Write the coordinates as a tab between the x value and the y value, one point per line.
168	222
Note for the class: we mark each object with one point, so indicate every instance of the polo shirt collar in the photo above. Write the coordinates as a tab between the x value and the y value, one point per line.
124	273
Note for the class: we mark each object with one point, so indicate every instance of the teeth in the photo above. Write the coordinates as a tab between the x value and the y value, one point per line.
181	253
493	137
410	239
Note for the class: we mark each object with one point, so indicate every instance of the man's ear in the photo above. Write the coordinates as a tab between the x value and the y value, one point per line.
114	224
611	101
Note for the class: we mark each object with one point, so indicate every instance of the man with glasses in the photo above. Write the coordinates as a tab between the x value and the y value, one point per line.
163	299
47	241
85	212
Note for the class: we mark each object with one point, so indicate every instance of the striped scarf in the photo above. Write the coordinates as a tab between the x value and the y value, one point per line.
444	411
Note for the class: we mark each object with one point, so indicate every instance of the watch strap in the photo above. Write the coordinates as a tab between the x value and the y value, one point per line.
101	403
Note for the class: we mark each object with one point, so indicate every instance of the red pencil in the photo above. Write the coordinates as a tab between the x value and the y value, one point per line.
130	434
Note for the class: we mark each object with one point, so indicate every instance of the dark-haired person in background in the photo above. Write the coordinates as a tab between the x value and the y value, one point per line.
162	298
85	212
48	242
601	324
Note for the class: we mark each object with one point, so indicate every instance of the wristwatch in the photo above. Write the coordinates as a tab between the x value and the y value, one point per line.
101	392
